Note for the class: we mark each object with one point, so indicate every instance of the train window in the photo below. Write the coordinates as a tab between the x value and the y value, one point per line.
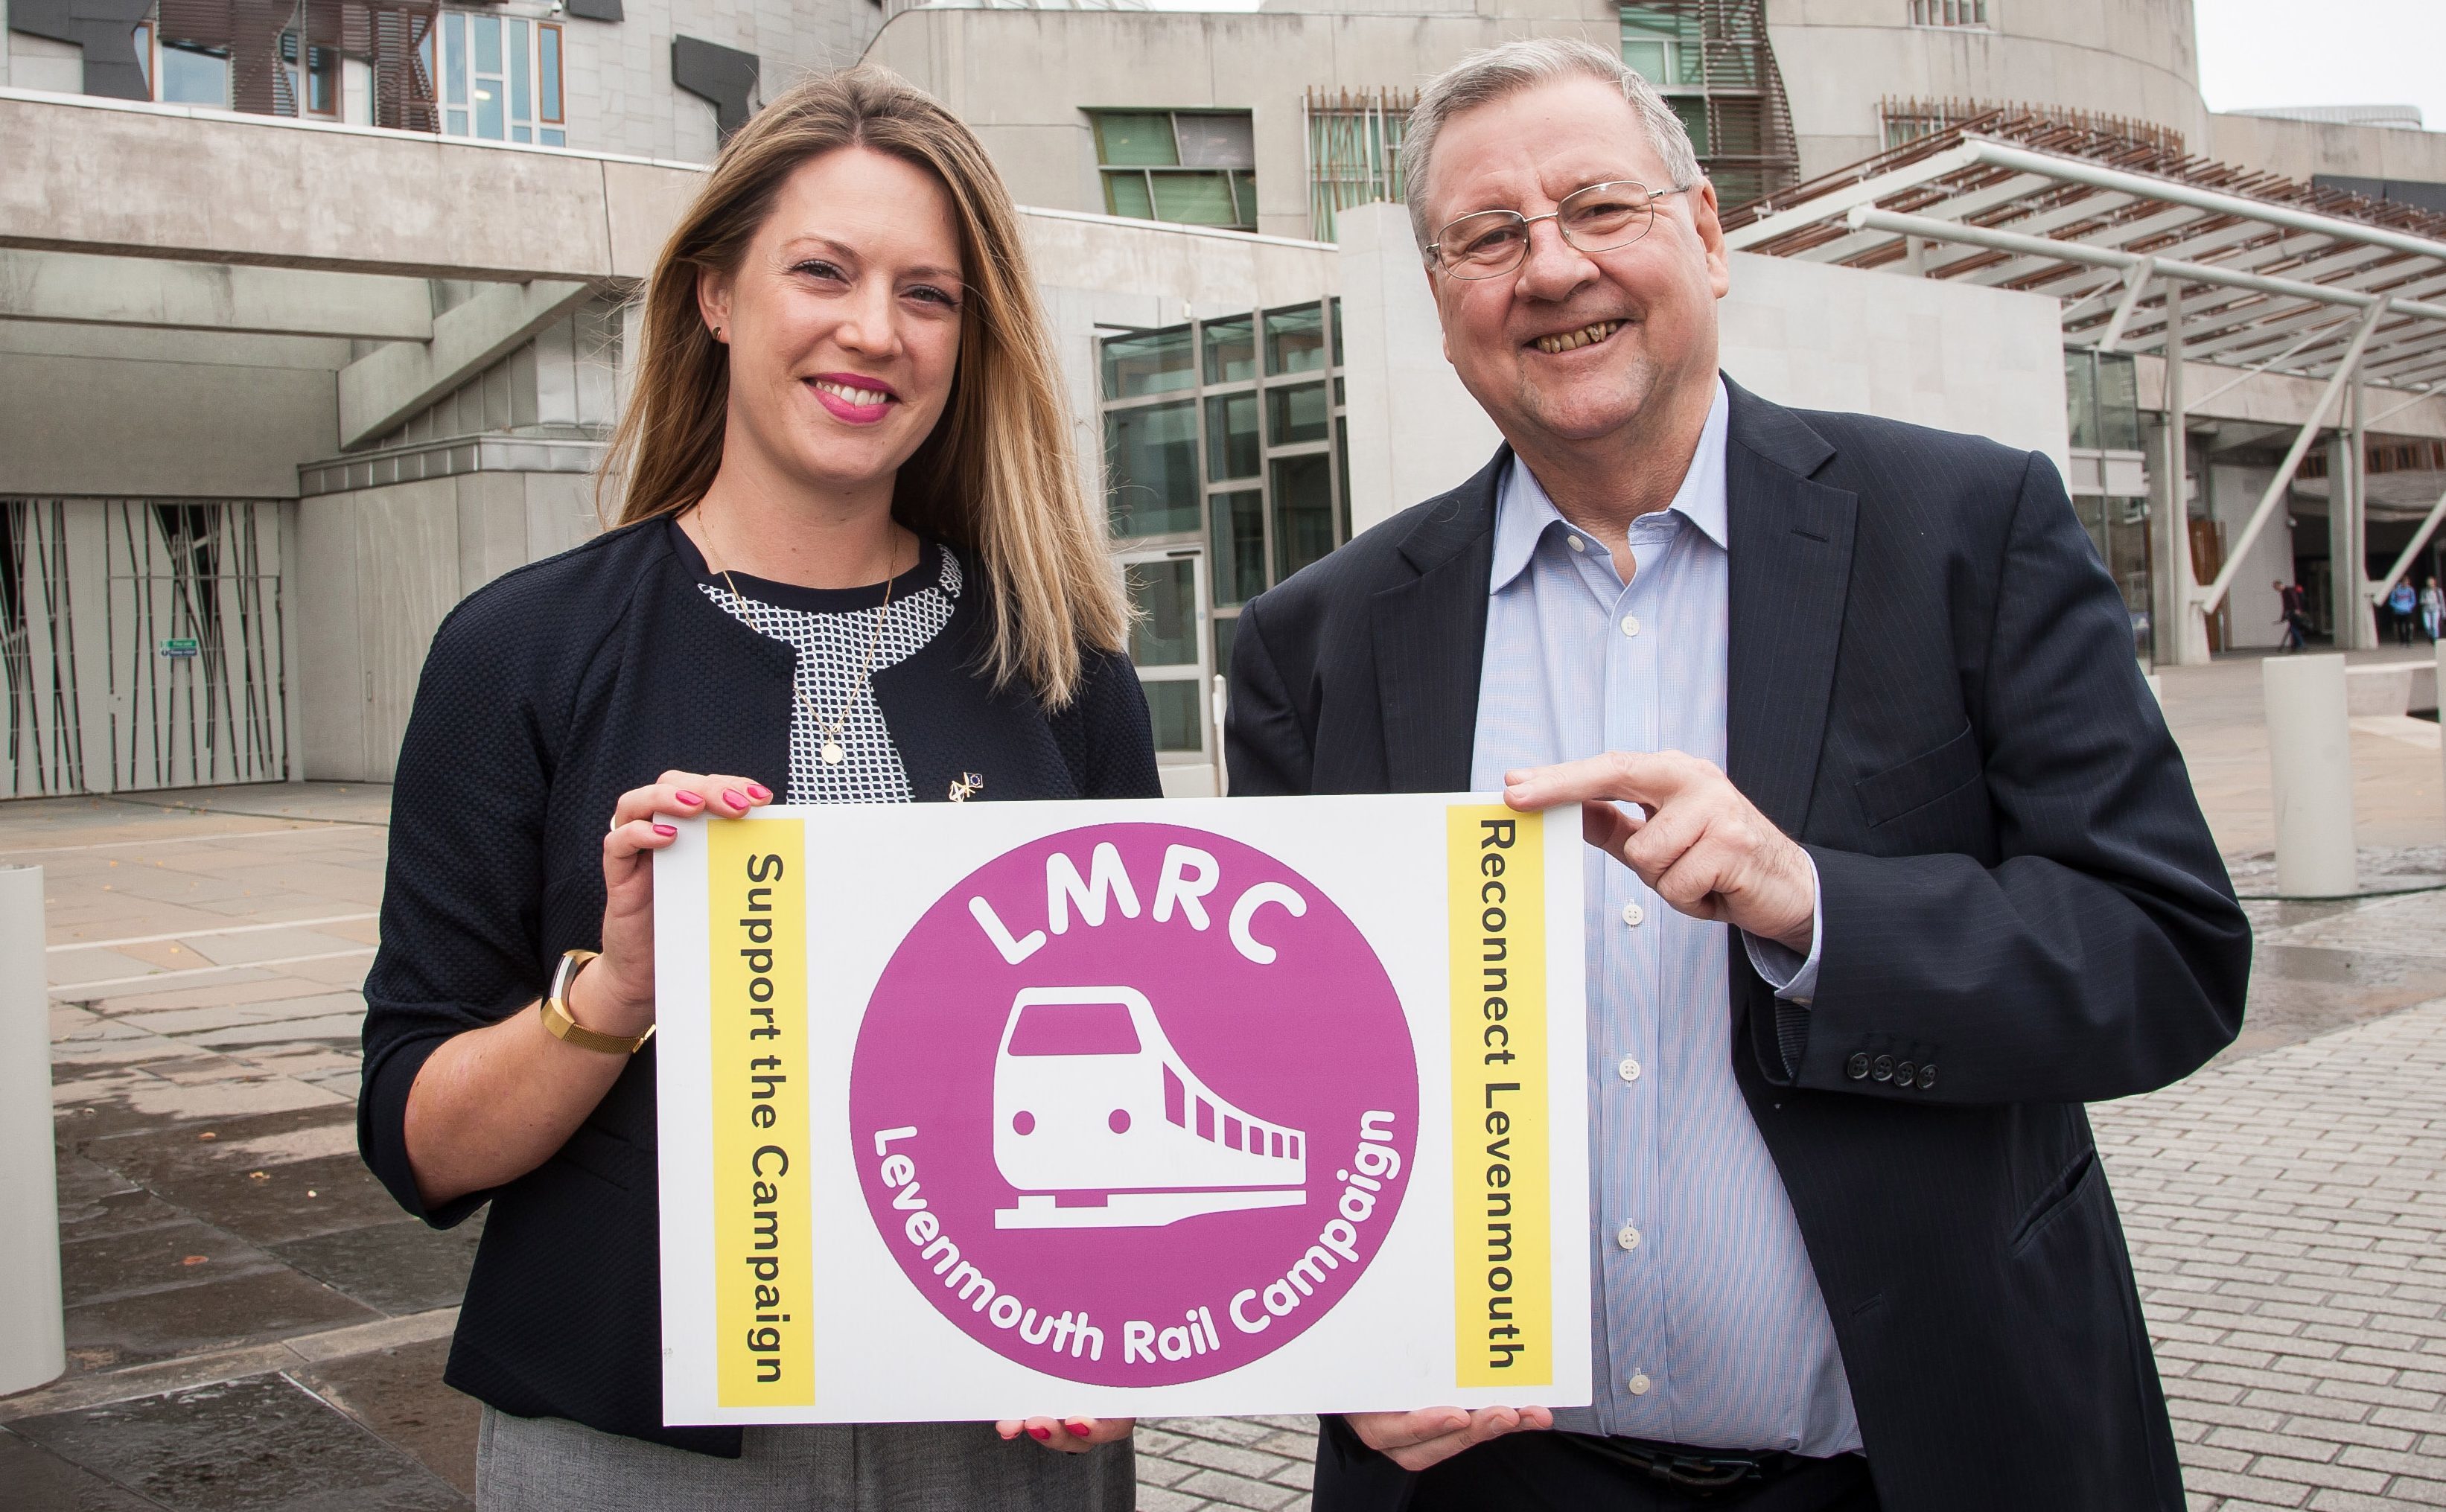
1175	1099
1075	1029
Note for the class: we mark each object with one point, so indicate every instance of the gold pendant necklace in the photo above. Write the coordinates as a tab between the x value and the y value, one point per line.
831	750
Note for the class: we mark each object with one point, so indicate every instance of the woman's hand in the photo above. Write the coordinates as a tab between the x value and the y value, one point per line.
614	995
1069	1435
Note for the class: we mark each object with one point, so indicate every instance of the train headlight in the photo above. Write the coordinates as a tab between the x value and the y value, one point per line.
1023	1122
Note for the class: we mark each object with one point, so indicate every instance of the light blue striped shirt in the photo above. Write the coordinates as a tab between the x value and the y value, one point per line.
1706	1324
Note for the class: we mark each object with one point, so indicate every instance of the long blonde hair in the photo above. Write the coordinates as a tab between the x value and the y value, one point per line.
997	474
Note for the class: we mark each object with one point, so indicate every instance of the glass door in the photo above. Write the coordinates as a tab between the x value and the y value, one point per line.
1170	642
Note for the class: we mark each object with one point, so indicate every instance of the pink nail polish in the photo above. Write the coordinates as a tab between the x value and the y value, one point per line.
1040	1434
667	831
689	798
736	798
1077	1431
762	793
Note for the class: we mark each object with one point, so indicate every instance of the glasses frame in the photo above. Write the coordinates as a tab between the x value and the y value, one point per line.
1435	248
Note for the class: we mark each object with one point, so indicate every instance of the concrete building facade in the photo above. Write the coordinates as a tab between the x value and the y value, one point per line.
312	325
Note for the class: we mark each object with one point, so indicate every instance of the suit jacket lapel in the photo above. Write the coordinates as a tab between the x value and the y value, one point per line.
1430	637
1790	552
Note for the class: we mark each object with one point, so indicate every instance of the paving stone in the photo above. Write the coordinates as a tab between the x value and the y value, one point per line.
398	1394
1232	1490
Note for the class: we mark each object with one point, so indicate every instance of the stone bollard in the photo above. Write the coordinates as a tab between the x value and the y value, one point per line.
32	1336
2310	767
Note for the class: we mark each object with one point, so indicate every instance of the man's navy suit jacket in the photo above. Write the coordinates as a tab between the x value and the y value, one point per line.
1933	689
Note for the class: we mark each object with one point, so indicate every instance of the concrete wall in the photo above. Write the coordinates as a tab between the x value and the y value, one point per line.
161	414
2233	492
1025	79
1955	356
2299	149
379	568
2131	58
621	98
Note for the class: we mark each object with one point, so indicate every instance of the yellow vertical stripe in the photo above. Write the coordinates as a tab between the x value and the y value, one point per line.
763	1231
1503	1306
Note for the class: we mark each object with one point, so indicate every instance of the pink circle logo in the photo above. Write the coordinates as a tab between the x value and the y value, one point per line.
1134	1104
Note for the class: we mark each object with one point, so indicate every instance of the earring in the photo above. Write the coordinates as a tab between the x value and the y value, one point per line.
717	333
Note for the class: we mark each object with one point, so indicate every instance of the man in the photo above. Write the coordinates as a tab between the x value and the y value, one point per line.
1918	873
2292	614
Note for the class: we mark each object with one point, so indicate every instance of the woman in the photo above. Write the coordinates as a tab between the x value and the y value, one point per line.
854	562
2432	604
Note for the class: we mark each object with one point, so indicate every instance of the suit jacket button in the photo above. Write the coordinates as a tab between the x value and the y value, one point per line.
1884	1069
1928	1077
1857	1067
1903	1073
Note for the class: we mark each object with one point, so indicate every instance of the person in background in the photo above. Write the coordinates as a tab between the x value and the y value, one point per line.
2401	601
2432	609
2289	602
854	565
1893	865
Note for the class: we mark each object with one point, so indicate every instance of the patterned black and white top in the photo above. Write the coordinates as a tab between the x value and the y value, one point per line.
831	629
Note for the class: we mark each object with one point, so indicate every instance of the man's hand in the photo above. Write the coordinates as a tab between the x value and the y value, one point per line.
1704	848
1417	1440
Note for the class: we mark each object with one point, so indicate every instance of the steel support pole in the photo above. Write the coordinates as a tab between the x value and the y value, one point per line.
2182	634
33	1332
2236	552
2364	613
2310	772
2411	550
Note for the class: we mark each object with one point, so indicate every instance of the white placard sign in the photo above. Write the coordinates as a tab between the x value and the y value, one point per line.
1121	1108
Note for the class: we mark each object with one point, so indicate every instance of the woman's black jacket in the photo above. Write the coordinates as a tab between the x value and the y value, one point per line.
546	695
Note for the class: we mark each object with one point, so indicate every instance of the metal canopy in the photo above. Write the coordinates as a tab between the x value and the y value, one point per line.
2151	250
2280	272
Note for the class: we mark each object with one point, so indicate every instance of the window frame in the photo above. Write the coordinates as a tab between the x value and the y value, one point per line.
1953	15
1240	183
1216	619
452	41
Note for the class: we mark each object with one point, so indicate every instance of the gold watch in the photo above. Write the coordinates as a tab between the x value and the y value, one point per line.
554	1009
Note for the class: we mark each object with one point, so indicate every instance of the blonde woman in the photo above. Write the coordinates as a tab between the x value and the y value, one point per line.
853	563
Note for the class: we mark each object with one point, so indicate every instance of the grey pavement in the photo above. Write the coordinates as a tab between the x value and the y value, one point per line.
254	1325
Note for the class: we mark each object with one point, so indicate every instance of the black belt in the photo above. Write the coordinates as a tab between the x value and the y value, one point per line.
1701	1471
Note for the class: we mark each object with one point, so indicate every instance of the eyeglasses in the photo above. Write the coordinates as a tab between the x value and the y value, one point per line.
1601	217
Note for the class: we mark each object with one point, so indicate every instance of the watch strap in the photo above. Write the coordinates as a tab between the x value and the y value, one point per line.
556	1019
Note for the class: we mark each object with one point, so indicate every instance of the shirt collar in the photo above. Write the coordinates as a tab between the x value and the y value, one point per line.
1524	514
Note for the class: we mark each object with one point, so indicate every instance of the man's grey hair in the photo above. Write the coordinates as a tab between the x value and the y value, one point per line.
1486	76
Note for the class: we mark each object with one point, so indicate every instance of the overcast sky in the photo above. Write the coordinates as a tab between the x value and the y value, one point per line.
2330	52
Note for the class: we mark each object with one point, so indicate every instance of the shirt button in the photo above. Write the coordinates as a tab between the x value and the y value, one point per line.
1639	1385
1629	1069
1630	624
1577	545
1633	915
1628	1238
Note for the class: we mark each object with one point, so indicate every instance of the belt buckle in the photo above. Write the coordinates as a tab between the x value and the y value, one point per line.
1703	1473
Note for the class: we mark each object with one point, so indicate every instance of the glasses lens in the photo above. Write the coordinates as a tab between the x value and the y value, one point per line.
1482	245
1604	217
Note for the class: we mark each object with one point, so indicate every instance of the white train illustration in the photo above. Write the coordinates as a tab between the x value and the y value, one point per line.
1091	1101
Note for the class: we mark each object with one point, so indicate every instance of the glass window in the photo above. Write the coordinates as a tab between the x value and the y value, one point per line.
1693	111
1152	460
1193	199
1294	413
1131	139
2118	402
548	72
1221	140
1224	631
193	77
1173	706
1166	633
1239	564
1294	339
1231	446
1335	305
1231	349
521	82
1193	167
1303	490
1157	362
